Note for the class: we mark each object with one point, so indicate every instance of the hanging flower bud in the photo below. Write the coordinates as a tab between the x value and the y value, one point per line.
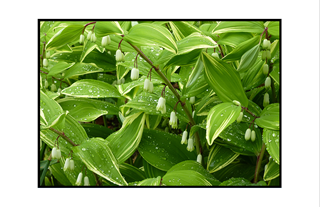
86	181
105	41
134	74
253	135
79	179
239	119
48	54
268	54
134	23
173	120
119	56
184	137
93	37
190	146
89	35
192	100
150	87
267	83
248	134
66	165
71	165
146	84
199	158
266	44
53	87
265	69
237	103
264	55
266	100
81	40
161	105
193	114
46	84
215	55
45	62
56	153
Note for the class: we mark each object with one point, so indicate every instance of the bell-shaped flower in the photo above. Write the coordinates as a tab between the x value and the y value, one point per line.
93	37
71	165
89	35
134	74
53	87
81	40
192	100
161	105
267	83
66	164
184	137
146	84
215	55
199	158
79	179
190	146
56	153
247	134
266	100
253	135
46	84
266	44
265	69
45	62
173	120
105	41
86	181
239	119
119	56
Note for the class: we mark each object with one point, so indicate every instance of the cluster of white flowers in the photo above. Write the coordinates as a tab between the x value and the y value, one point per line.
105	41
68	165
148	86
161	105
250	134
79	180
173	120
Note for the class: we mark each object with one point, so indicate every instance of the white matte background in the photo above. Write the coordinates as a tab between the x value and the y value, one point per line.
300	103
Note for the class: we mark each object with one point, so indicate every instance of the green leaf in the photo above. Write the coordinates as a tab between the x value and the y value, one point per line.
195	166
64	36
272	170
224	80
60	67
88	47
206	104
151	34
127	87
58	173
219	157
81	69
152	172
185	178
163	150
152	121
273	28
125	141
183	29
131	173
249	58
104	60
254	76
234	39
44	172
239	26
275	74
96	130
269	117
88	88
241	182
86	110
271	139
240	49
195	41
106	28
219	118
148	182
97	156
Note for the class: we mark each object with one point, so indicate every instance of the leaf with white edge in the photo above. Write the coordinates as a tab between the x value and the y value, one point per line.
219	157
88	88
163	150
152	172
59	174
234	39
272	170
249	58
151	34
183	28
96	130
195	41
86	110
152	121
219	118
148	182
239	26
87	48
98	157
195	166
106	28
81	69
60	67
73	130
269	117
271	138
254	76
127	87
206	104
125	141
224	80
185	178
131	173
241	182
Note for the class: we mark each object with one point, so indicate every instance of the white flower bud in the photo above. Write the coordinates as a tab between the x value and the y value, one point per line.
134	74
46	84
248	134
266	100
71	165
93	37
53	87
146	84
66	164
89	35
86	181
81	40
79	179
265	69
184	137
215	55
173	120
105	41
253	135
237	103
150	87
192	100
134	23
45	62
199	158
161	105
264	55
119	56
268	54
267	83
266	44
56	153
48	54
193	114
239	119
190	146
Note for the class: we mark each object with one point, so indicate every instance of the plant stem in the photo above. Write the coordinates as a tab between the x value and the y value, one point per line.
43	149
252	114
258	165
55	78
170	86
221	51
273	91
63	136
87	25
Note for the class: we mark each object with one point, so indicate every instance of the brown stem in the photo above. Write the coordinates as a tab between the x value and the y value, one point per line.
252	114
221	51
87	25
63	136
258	165
55	78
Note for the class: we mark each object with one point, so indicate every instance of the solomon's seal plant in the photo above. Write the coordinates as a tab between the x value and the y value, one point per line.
159	103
